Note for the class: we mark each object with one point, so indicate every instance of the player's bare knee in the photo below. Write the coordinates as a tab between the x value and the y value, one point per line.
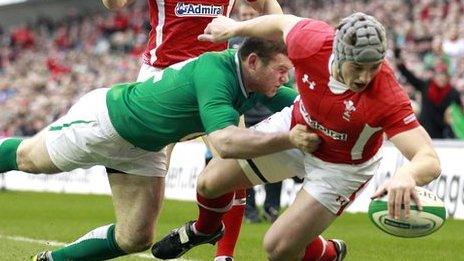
23	158
205	187
278	249
282	252
269	244
135	242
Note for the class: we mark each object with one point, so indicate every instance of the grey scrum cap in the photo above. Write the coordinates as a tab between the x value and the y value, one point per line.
360	38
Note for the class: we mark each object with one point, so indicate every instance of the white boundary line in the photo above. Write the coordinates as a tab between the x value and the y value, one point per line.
58	244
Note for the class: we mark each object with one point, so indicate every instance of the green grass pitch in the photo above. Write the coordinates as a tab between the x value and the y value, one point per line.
31	222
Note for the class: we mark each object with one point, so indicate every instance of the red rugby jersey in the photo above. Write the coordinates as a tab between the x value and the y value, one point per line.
175	27
350	124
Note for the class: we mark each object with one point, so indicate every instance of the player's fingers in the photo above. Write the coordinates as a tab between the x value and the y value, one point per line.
380	192
313	137
406	202
301	127
416	199
391	203
206	38
398	202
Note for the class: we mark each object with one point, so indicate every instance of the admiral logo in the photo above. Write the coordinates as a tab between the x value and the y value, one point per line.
186	9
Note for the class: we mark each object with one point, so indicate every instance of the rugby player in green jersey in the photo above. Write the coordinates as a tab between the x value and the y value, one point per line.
125	128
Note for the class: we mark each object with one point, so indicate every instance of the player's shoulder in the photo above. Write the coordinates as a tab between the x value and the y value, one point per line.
218	56
214	61
385	88
218	66
309	37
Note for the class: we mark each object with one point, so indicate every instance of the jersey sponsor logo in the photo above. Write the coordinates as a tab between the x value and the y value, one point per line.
317	126
306	80
349	108
410	118
189	9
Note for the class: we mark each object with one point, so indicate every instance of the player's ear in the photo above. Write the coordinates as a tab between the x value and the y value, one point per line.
252	61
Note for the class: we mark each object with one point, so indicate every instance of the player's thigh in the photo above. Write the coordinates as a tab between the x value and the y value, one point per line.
274	167
137	201
33	156
221	176
305	219
277	166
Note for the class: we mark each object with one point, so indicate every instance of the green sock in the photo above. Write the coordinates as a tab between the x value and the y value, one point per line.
8	148
98	244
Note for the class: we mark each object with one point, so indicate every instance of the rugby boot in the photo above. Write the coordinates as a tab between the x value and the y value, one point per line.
42	256
181	240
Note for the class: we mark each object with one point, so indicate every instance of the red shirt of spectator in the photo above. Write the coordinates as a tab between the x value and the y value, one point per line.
23	37
56	68
120	22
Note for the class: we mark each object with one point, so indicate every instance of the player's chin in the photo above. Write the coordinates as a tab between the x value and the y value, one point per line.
358	88
271	94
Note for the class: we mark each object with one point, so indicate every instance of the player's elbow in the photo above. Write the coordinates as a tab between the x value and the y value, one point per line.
223	144
225	150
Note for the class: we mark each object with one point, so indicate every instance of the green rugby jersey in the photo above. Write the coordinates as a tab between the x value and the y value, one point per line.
186	100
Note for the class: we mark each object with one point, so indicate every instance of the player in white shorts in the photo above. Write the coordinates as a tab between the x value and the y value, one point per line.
350	99
126	128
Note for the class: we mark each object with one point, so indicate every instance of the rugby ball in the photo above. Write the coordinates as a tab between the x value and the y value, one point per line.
418	224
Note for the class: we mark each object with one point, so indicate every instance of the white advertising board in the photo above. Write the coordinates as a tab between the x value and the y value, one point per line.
188	161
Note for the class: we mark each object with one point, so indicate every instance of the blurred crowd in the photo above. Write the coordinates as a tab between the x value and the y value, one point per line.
46	65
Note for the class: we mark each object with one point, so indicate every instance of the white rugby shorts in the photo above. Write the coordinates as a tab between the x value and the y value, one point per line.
146	72
85	137
334	185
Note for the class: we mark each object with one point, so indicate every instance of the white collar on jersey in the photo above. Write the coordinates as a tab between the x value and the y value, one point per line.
335	86
239	74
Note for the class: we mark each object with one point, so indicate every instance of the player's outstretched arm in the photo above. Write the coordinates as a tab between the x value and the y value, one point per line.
116	4
424	167
241	143
272	27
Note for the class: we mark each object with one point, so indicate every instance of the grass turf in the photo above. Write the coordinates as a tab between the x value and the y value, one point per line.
65	217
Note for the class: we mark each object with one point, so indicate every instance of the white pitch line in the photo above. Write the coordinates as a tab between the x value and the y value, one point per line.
57	243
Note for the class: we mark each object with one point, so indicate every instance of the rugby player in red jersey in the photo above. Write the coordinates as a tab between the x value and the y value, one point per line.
350	99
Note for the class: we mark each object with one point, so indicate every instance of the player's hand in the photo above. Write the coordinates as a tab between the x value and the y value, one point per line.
219	30
303	139
400	190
